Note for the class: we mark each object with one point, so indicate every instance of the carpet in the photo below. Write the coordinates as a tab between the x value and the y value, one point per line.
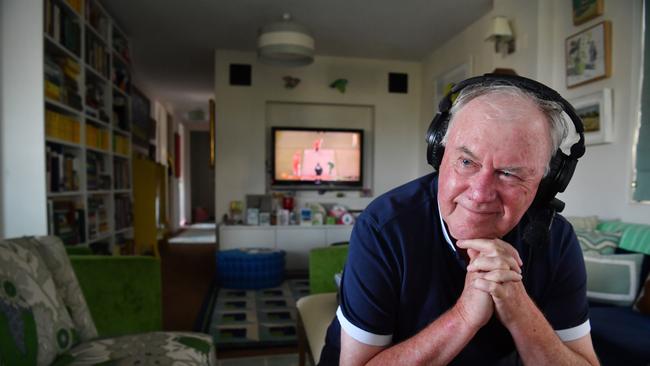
257	318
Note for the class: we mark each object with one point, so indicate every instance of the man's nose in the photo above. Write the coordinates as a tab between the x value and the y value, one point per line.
483	187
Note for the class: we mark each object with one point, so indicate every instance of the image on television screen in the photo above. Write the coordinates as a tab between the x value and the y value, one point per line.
332	156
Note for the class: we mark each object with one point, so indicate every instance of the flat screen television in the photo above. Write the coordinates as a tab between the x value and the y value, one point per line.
318	158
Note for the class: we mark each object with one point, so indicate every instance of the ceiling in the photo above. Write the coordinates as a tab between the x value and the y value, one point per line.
173	42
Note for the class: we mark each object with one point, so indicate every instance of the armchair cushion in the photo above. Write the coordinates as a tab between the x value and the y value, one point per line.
122	292
35	326
56	259
154	348
324	263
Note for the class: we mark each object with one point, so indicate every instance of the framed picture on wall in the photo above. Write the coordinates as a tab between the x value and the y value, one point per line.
595	110
444	81
585	10
589	55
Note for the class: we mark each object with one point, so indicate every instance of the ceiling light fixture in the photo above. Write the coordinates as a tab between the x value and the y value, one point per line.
285	43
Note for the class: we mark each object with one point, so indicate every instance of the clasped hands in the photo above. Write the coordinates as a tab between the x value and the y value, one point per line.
493	282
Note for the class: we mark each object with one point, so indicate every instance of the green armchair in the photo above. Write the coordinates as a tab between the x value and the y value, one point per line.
45	319
123	293
316	311
324	263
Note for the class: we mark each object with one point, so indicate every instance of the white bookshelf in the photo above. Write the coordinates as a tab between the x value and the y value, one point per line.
90	154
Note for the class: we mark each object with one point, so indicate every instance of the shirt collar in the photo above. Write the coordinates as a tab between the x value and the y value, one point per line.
444	230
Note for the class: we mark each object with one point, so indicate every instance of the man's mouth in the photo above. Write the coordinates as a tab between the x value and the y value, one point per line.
479	211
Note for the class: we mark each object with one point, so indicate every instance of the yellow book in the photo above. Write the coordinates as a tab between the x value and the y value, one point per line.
52	90
90	135
76	134
105	140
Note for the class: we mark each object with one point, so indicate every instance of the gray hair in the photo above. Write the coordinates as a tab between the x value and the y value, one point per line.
553	110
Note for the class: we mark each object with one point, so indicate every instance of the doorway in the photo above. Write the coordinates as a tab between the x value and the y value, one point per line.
202	178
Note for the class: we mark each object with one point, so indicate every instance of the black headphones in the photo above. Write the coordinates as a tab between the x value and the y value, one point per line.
561	165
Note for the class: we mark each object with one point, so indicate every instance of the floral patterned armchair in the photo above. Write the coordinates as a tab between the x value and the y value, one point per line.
44	318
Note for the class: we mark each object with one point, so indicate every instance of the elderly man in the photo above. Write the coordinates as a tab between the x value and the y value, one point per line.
443	270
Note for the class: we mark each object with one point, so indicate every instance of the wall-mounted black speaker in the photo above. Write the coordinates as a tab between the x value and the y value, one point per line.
240	74
398	83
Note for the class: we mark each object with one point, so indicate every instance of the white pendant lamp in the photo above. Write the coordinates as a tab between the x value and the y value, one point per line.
285	43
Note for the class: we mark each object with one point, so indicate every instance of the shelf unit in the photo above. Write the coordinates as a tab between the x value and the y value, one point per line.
88	123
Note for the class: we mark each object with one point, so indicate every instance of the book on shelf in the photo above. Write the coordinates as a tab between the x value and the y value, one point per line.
96	137
97	217
96	176
121	76
61	126
96	56
63	26
96	100
120	112
123	212
121	173
61	80
62	169
96	19
65	220
76	5
120	144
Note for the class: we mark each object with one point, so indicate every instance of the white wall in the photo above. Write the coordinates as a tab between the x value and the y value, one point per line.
601	184
603	179
240	119
470	46
22	135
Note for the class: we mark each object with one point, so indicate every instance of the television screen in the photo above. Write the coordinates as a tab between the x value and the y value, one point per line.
308	157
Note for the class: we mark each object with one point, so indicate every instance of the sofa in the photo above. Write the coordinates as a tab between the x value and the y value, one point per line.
46	320
617	263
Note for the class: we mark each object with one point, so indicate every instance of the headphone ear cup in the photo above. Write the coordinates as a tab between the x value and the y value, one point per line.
561	169
435	134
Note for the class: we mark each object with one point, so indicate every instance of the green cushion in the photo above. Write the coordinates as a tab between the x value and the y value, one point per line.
612	226
123	292
613	278
35	326
598	241
635	238
324	263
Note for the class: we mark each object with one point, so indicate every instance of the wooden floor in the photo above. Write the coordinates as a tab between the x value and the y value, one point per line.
187	272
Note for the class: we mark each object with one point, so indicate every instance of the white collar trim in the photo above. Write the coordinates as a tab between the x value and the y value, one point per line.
444	230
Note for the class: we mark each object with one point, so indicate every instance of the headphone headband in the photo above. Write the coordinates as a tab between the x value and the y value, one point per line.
562	166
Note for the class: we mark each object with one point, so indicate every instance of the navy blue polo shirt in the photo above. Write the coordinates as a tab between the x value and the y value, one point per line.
403	272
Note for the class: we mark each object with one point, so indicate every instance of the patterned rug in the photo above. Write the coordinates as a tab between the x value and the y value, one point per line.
257	318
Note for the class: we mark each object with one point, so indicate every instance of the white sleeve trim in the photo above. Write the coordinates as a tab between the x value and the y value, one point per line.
574	333
360	334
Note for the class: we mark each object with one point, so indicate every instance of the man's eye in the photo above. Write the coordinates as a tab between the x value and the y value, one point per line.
465	162
507	174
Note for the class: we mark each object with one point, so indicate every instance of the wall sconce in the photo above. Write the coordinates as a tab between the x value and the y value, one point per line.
501	34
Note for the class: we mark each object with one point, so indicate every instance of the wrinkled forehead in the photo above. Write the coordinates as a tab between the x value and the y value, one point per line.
501	106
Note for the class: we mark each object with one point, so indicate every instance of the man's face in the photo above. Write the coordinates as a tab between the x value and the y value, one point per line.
495	156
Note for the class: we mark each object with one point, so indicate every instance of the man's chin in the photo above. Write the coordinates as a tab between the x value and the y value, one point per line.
478	230
469	235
